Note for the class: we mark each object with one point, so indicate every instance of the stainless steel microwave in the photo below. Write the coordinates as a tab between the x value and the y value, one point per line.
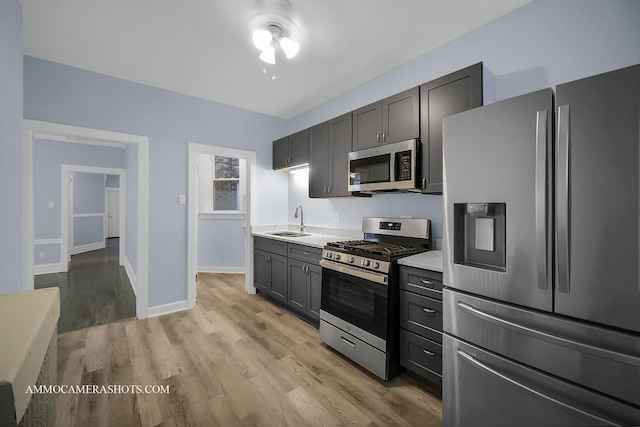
390	167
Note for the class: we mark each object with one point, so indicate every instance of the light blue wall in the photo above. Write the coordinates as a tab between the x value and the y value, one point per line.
11	83
61	94
542	44
48	158
113	181
216	248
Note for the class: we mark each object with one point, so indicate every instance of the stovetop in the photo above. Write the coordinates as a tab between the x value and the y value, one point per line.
384	249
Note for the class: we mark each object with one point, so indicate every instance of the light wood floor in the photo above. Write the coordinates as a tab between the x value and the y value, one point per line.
234	359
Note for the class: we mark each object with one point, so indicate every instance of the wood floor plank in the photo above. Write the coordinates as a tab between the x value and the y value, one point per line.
233	360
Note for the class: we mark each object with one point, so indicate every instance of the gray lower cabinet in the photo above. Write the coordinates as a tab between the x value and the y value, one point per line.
270	268
305	280
289	274
421	322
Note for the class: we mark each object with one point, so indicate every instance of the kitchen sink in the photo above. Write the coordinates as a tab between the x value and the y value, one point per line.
289	234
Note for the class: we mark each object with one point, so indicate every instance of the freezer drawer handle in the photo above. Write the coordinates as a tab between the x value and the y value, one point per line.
469	358
428	310
554	339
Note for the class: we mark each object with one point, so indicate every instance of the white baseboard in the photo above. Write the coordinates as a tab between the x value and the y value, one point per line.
87	248
232	270
47	269
132	275
172	307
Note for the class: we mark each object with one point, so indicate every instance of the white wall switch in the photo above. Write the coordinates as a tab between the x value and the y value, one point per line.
182	199
41	255
51	204
335	217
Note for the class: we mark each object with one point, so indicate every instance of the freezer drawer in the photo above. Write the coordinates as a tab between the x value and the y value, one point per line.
603	360
482	388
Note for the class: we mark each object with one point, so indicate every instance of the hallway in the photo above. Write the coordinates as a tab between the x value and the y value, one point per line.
94	291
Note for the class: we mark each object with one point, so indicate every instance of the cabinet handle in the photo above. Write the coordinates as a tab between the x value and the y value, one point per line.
305	253
428	310
427	352
426	282
329	189
325	189
347	342
378	137
424	183
384	137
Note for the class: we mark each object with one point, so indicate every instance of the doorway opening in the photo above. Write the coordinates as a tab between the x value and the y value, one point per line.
234	209
133	241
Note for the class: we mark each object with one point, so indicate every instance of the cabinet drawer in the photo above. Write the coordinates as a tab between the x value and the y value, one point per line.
270	245
421	356
305	253
423	282
421	315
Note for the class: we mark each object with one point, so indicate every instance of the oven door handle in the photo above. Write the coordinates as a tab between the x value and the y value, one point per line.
357	272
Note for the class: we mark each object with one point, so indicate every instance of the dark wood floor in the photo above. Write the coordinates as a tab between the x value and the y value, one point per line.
234	359
96	290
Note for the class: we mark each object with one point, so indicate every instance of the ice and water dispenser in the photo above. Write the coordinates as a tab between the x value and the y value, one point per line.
480	235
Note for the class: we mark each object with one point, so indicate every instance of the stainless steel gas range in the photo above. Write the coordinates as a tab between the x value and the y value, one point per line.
359	303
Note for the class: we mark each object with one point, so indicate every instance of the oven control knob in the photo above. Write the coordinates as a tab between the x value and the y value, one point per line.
366	263
350	259
329	255
375	264
336	257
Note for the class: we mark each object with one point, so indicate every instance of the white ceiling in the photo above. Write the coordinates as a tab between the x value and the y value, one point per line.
203	47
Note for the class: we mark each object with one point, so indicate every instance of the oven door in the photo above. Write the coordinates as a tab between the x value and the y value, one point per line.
355	296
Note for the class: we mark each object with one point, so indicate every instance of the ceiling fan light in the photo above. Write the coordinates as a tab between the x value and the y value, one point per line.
262	39
290	47
268	55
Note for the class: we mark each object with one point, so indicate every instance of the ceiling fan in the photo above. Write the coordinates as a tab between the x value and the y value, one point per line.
273	27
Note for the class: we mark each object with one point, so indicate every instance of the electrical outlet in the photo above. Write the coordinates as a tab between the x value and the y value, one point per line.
41	255
335	217
51	204
182	199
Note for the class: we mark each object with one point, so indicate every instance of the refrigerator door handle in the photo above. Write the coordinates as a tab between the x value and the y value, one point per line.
563	151
555	339
541	198
492	371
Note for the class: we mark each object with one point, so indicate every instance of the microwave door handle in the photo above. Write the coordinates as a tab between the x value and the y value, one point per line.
392	167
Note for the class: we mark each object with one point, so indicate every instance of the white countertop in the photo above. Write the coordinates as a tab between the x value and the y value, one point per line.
431	260
317	236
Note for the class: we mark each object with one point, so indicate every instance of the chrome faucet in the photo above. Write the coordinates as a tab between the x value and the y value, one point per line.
299	208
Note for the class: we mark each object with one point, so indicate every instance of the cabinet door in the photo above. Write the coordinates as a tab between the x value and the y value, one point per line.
319	160
297	295
278	265
401	116
261	270
280	153
340	143
451	94
314	291
367	122
299	148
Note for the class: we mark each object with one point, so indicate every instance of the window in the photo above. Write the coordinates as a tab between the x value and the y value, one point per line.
222	187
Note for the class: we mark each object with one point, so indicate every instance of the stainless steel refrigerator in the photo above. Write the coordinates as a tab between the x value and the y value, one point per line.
542	258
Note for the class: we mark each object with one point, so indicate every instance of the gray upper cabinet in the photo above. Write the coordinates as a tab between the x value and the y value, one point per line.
439	98
329	146
291	151
390	120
